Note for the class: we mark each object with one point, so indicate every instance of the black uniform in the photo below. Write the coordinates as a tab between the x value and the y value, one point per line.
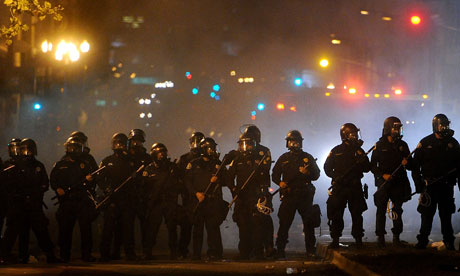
69	174
210	211
25	185
433	173
120	211
184	221
297	197
346	188
161	189
250	221
3	196
386	157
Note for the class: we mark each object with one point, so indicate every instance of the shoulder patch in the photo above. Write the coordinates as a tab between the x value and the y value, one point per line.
217	166
231	164
38	169
401	148
145	173
450	145
82	165
261	153
189	166
305	160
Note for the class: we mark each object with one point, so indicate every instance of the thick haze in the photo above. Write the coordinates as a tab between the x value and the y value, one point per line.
271	41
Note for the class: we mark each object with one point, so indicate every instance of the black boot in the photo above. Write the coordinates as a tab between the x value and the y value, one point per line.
334	244
359	243
381	241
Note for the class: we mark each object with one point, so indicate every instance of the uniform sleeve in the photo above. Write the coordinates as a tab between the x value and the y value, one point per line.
44	180
375	158
267	162
277	171
329	166
54	177
313	170
102	179
230	174
364	163
416	171
92	163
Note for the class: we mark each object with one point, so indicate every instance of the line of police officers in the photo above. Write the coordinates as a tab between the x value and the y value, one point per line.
187	194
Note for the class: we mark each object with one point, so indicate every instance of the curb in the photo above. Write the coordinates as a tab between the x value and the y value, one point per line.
342	262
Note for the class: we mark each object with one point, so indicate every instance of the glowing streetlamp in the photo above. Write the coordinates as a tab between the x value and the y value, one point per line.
324	63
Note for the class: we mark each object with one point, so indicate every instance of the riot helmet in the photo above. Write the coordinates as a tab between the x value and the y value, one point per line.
28	147
73	146
208	148
294	140
159	152
136	139
254	131
441	126
119	142
14	147
351	134
195	140
246	142
393	127
80	136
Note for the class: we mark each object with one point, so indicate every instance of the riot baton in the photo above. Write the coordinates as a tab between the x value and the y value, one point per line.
434	181
209	185
247	181
351	168
278	190
84	184
9	168
394	172
119	187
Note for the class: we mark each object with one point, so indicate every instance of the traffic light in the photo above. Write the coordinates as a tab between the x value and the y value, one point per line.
216	87
188	75
261	106
212	94
195	91
280	106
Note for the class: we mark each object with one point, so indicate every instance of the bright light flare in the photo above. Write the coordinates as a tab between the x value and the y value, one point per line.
324	63
398	91
84	47
280	106
352	90
415	20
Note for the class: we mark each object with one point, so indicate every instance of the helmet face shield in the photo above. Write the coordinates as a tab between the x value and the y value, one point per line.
294	144
353	135
14	150
26	151
195	142
134	143
118	145
246	145
73	148
159	153
397	130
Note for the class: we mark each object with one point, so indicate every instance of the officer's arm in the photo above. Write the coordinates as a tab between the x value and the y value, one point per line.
266	163
313	170
188	179
54	178
277	171
44	182
329	166
365	164
230	175
92	163
375	169
416	171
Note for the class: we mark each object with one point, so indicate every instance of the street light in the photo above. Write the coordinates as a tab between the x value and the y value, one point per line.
67	51
324	63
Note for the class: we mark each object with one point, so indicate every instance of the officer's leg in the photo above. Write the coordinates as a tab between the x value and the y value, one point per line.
24	239
172	231
39	225
107	231
398	222
257	232
304	209
117	238
85	223
381	204
357	205
198	228
127	221
185	227
243	221
66	219
336	204
446	209
427	214
152	223
286	215
214	238
14	224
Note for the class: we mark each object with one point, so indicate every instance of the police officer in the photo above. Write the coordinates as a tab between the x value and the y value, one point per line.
346	164
26	183
138	153
185	223
435	173
293	172
390	153
246	215
70	179
206	202
160	182
119	211
267	221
